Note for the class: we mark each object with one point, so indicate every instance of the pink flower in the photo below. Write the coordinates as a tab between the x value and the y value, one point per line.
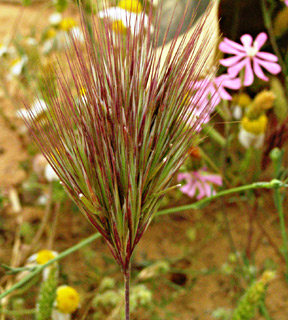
209	92
199	182
213	90
247	55
286	2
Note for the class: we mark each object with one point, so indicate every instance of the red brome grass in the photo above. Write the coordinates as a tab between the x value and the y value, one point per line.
117	148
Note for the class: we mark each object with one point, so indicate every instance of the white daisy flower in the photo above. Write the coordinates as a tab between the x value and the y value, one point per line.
50	174
38	107
18	65
130	20
248	139
55	18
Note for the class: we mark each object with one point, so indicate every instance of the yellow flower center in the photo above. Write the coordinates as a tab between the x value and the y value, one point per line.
131	5
44	256
67	299
118	26
256	126
67	24
51	33
15	62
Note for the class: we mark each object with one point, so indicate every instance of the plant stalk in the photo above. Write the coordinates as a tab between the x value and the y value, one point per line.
127	273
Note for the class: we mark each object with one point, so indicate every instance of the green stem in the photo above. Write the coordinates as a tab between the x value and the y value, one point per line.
41	267
199	204
214	135
279	205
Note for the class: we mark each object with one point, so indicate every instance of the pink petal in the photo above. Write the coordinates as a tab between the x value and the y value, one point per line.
247	40
272	67
258	71
233	84
202	191
234	44
228	62
267	56
286	2
234	70
226	48
260	40
249	75
225	95
214	178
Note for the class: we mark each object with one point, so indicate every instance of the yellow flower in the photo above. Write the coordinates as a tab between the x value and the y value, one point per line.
67	24
51	33
67	299
131	5
263	101
256	126
242	99
118	26
44	256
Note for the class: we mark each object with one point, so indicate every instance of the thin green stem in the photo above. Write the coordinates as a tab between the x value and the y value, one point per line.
203	202
279	205
40	268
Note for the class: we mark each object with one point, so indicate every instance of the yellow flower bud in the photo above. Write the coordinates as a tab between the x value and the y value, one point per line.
281	22
51	33
263	101
242	99
256	126
131	5
44	256
67	299
67	24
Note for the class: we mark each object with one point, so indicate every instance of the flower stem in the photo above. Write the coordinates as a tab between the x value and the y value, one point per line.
278	198
127	292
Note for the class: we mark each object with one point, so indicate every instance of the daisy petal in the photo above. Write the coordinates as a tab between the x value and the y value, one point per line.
260	40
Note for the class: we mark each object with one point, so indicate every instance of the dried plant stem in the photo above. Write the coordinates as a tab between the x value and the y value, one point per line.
127	273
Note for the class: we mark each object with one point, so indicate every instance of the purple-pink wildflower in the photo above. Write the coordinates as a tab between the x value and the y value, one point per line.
286	2
210	92
249	57
199	182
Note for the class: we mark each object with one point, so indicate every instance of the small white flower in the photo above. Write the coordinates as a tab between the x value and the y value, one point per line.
237	112
31	41
129	19
248	139
50	174
38	107
55	18
18	65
